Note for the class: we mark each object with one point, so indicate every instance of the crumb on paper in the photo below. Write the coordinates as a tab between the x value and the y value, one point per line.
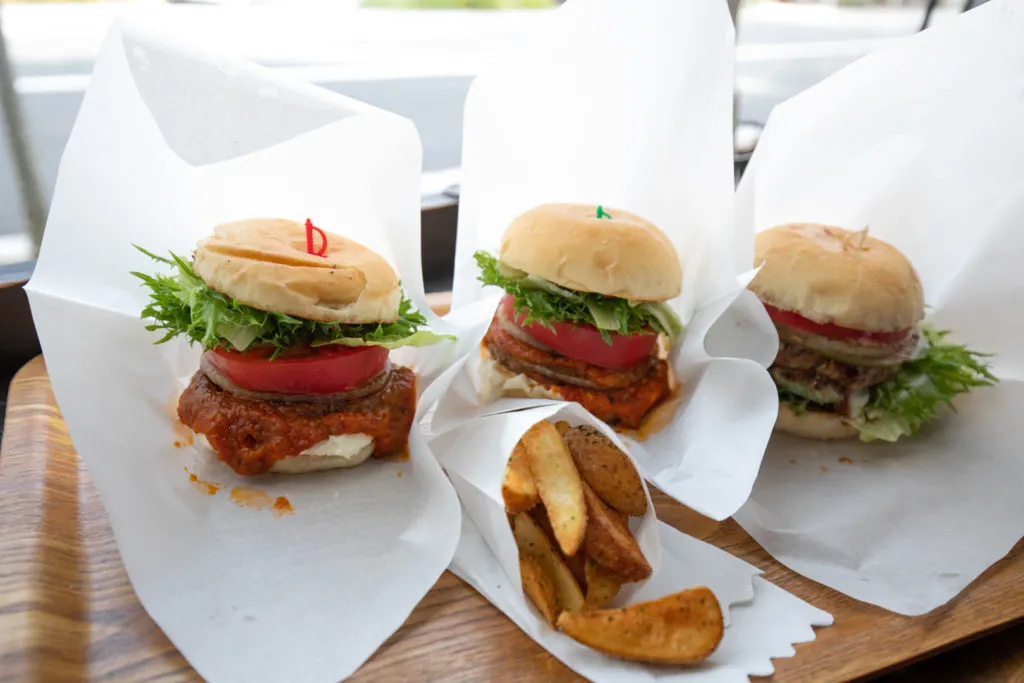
792	462
845	460
282	506
823	468
399	473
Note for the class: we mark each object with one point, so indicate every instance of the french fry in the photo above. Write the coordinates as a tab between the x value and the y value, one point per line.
532	541
539	587
610	543
682	628
558	483
562	426
602	585
518	488
607	469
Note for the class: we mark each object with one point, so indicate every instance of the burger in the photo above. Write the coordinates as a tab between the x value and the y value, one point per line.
583	312
295	374
855	358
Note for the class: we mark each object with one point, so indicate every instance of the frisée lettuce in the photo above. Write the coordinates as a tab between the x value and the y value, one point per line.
549	303
182	304
913	396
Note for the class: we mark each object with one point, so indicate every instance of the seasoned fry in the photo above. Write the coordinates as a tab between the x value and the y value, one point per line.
575	563
518	489
534	542
538	586
610	543
607	469
602	585
682	628
558	483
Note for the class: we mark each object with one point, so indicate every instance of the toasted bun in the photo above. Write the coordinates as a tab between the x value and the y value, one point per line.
334	452
832	275
263	263
813	424
622	256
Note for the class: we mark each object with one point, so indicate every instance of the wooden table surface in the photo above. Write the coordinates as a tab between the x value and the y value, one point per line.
68	612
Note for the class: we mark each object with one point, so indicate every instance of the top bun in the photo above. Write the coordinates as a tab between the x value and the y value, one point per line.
622	256
263	263
832	275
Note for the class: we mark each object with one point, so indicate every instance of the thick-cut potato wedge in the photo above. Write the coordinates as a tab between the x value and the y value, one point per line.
607	469
558	484
518	488
602	585
577	562
532	541
610	543
682	628
562	426
539	587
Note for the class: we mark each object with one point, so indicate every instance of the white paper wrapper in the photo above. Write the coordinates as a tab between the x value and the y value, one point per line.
628	105
923	143
764	621
168	143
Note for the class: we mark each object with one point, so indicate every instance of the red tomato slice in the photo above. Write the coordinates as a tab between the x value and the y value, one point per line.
323	370
584	342
791	319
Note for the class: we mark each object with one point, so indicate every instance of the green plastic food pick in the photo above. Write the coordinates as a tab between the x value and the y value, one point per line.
601	213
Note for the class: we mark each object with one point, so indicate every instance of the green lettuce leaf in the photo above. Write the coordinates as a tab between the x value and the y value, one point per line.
182	305
901	405
549	303
420	338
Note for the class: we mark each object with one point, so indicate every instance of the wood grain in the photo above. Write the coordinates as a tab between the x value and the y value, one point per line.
68	612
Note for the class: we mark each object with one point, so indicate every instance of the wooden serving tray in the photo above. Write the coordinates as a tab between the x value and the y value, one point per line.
68	611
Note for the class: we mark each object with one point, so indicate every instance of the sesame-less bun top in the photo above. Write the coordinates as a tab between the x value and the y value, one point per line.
832	275
621	255
262	262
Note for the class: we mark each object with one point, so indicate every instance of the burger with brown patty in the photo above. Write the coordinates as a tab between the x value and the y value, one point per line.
295	375
855	358
583	311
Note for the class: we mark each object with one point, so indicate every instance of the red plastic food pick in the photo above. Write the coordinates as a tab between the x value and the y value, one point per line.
601	213
310	229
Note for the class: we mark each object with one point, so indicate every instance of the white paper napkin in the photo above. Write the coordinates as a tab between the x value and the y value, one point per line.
764	620
168	143
628	105
923	143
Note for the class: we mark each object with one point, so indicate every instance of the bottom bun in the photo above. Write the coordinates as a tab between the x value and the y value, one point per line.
813	424
334	452
496	381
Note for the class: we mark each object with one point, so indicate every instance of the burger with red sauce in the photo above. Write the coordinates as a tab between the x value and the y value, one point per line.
295	374
584	317
855	358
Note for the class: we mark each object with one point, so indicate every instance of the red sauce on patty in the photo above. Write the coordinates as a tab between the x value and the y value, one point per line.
250	436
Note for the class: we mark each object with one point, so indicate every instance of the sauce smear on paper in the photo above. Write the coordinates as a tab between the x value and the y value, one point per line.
246	497
206	487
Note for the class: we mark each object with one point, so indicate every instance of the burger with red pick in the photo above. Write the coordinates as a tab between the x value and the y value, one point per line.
855	358
584	316
295	374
